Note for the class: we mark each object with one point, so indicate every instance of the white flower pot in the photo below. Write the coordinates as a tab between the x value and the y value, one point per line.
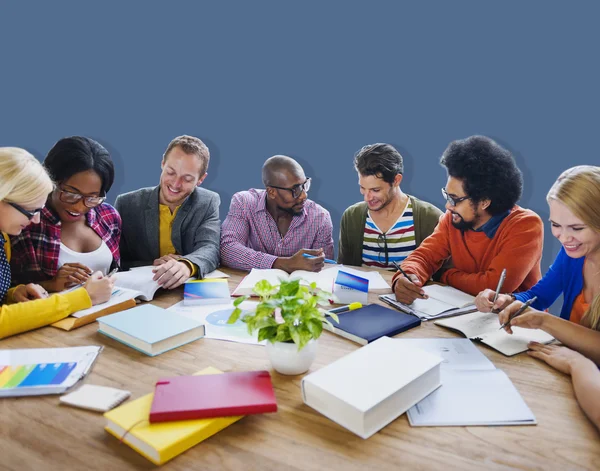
287	360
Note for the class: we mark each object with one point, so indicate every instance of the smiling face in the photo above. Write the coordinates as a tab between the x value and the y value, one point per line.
577	238
465	215
86	183
376	192
180	176
12	221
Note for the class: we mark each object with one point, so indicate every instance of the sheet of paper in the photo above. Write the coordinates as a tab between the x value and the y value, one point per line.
485	397
376	281
214	317
216	274
458	354
51	370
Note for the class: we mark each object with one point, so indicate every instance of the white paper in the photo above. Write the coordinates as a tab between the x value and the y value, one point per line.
118	296
216	274
83	357
214	317
485	397
139	280
458	354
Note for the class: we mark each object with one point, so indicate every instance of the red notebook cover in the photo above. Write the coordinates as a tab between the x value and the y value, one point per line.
219	395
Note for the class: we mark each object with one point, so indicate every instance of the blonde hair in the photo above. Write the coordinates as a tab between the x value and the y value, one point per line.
578	188
23	180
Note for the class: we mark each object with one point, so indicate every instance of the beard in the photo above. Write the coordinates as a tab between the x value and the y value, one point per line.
386	201
290	211
463	225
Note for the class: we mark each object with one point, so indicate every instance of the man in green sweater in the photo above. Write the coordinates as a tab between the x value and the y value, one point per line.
389	224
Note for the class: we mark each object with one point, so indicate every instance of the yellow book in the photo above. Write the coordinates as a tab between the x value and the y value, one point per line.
163	441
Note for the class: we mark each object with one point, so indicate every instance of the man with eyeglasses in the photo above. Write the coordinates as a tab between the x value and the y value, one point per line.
483	229
388	225
175	225
276	227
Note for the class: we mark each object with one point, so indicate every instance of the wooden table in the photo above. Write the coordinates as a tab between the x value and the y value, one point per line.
37	433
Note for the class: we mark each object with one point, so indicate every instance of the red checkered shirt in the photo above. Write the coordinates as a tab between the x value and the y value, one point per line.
35	251
250	237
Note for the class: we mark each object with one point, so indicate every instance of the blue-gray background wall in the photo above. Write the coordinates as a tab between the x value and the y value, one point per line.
314	80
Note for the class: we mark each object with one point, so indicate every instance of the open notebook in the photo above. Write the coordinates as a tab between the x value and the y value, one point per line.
485	327
443	301
129	286
473	391
324	278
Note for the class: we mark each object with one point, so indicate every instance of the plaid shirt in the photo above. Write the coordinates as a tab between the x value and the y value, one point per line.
35	251
250	237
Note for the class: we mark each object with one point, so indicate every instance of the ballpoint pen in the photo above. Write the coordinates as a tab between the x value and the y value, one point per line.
499	287
327	260
519	311
406	276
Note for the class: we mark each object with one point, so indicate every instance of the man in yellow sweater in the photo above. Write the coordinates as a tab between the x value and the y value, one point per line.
483	230
175	225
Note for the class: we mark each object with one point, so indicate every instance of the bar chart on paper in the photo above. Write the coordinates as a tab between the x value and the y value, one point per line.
27	372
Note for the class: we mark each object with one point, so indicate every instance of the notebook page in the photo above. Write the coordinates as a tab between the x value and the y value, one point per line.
473	325
431	307
118	296
139	280
517	342
449	295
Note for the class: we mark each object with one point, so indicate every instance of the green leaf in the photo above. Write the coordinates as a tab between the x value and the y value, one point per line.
289	288
283	333
305	336
235	315
315	327
240	300
263	288
334	316
295	335
267	333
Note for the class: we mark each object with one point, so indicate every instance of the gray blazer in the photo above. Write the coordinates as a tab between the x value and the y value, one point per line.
195	234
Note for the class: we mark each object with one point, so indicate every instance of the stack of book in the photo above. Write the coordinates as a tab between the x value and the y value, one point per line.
185	410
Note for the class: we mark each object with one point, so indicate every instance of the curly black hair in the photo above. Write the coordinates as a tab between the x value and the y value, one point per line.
487	171
381	160
77	154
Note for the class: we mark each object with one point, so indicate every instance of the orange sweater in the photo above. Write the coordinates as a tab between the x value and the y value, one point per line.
477	260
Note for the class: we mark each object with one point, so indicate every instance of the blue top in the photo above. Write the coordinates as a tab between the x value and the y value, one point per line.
565	276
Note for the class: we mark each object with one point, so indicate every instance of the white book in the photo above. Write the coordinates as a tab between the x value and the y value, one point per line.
324	279
473	391
485	327
139	281
366	390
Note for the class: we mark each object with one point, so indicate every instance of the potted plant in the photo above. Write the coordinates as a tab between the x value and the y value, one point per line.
290	317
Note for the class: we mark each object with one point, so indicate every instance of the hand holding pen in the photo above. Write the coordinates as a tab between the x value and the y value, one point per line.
408	287
518	309
493	301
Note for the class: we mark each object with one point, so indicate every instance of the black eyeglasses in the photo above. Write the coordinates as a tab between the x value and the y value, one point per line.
382	243
296	190
452	201
71	197
29	214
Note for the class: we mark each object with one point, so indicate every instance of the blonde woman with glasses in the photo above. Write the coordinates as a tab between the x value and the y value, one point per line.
24	187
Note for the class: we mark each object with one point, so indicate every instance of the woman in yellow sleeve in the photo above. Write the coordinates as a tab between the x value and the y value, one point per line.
24	188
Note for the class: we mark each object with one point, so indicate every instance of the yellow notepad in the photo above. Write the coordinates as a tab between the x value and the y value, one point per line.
163	441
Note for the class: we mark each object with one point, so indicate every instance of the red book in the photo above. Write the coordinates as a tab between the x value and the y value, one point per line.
204	396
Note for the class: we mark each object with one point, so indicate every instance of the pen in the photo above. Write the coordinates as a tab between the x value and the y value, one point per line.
405	276
499	287
327	260
519	312
349	307
112	272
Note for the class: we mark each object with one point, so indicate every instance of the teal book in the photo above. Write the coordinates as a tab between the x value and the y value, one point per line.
213	291
150	329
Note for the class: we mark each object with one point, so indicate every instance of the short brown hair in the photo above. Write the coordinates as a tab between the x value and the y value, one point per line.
191	145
